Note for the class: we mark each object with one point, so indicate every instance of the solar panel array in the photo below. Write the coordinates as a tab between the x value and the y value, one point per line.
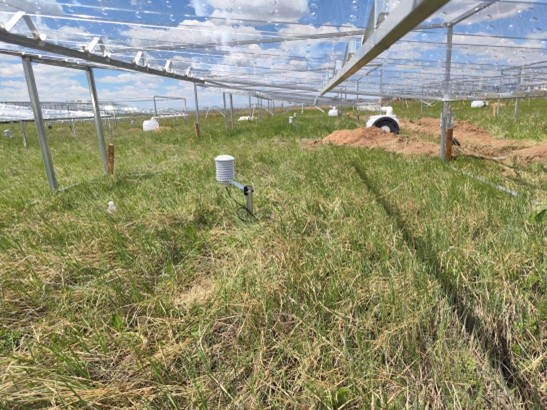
289	50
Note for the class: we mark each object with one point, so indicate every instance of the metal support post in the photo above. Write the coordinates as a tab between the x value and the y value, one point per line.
449	135
97	113
39	121
444	128
23	133
250	107
446	115
516	114
197	104
225	113
357	92
258	107
448	61
248	192
156	107
381	88
232	110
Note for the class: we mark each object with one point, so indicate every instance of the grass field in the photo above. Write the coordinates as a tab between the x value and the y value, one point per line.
365	279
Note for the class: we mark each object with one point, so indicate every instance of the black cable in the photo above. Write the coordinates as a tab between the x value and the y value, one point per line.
241	206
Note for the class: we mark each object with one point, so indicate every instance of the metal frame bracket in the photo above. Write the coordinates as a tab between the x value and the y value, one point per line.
33	29
140	59
97	41
28	21
12	21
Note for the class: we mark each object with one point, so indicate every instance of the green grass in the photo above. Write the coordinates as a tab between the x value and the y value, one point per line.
366	280
530	123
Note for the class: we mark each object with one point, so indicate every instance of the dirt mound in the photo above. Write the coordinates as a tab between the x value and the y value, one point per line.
473	139
535	153
376	138
423	140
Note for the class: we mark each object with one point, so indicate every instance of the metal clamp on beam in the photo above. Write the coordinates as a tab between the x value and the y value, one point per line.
140	59
12	21
97	41
28	21
35	33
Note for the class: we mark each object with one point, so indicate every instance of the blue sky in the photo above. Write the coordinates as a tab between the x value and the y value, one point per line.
229	41
212	21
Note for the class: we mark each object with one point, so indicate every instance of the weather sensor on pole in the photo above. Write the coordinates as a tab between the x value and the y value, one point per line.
225	173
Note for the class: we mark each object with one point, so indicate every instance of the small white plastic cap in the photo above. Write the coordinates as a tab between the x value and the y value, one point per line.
111	207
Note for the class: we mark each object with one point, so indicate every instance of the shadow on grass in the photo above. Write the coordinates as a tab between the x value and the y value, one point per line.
495	345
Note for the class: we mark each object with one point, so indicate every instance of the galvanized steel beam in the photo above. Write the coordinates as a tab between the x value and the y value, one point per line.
232	110
197	103
97	113
107	61
447	114
225	113
39	121
399	22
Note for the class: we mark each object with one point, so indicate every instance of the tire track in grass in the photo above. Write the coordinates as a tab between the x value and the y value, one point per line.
495	346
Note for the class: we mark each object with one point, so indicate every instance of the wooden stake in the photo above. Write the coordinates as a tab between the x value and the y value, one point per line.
448	152
110	159
198	130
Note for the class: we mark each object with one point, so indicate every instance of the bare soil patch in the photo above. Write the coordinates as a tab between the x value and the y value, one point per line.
473	139
422	139
376	138
534	153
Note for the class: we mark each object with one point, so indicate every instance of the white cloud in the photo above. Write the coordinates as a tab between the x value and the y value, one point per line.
129	78
496	11
11	70
191	32
200	9
54	83
32	6
120	86
9	7
60	84
484	48
262	10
